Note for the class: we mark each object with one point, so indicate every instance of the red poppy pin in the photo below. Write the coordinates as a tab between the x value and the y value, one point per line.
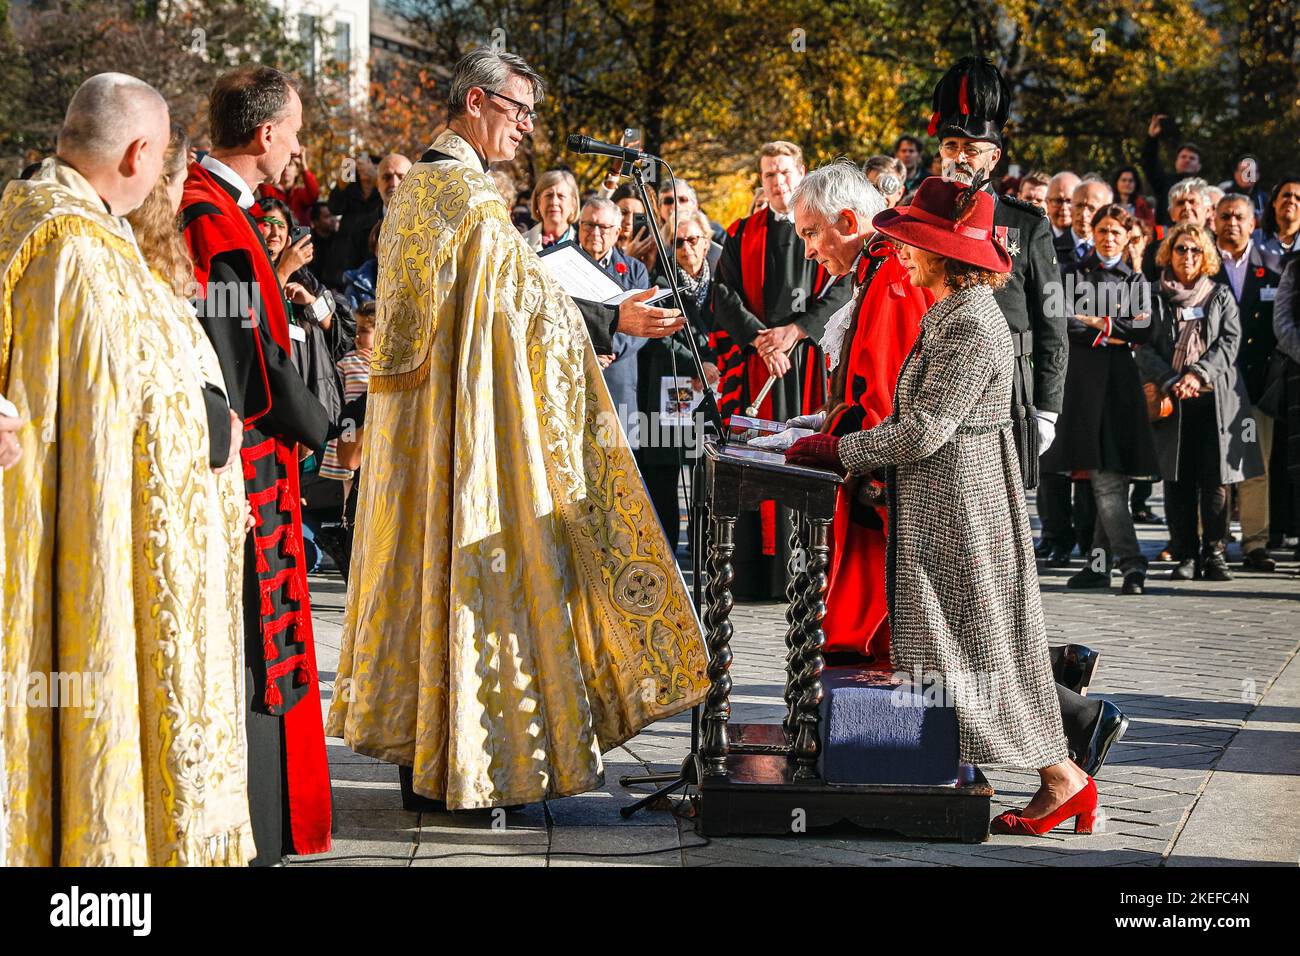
620	267
1259	272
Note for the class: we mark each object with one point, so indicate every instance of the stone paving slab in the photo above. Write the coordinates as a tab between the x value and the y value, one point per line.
1189	662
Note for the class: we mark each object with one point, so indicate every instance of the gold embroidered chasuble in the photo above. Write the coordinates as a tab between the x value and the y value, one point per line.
514	609
123	554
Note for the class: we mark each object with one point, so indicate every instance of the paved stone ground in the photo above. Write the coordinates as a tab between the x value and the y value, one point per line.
1190	663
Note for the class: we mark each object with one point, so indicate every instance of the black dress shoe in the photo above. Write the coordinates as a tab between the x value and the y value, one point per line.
1088	578
1185	571
1147	516
1073	666
1135	582
1110	727
1059	557
1215	568
1043	549
1258	560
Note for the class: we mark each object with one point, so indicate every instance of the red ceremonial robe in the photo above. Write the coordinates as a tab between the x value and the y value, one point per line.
886	320
278	412
742	372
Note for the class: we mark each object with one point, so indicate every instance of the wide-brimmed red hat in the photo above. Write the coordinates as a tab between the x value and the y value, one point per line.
950	220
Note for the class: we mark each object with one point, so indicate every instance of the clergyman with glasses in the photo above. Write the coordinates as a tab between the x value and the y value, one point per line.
495	643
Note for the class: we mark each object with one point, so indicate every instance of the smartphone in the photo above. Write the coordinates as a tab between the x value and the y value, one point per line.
640	222
299	233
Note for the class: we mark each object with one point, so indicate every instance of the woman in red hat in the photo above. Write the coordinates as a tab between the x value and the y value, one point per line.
964	604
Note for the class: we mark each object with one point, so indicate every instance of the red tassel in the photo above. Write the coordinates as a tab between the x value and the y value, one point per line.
296	591
302	675
250	472
269	651
267	607
291	547
273	698
934	123
962	102
285	454
286	496
262	566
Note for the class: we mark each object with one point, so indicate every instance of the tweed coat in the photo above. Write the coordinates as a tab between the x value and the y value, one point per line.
963	587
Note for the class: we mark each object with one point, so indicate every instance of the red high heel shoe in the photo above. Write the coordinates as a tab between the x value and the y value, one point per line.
1082	806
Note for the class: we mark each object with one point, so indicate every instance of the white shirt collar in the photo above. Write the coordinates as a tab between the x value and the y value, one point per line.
781	216
1239	262
217	168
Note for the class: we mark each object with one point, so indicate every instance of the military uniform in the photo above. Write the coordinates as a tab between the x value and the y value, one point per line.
1038	338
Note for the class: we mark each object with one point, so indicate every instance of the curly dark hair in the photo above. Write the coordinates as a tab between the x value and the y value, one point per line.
963	275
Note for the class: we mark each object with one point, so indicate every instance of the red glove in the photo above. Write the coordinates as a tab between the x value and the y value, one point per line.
817	451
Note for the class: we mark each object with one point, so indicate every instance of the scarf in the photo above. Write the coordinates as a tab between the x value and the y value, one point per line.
1189	345
697	287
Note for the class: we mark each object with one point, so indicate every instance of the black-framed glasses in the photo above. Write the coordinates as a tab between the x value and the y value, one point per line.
523	111
597	227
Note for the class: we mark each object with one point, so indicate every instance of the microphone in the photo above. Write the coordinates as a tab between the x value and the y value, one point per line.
594	147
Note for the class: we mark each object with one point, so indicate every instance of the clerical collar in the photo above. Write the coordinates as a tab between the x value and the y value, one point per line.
451	145
243	195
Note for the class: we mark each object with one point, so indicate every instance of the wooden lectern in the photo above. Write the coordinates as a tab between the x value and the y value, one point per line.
764	778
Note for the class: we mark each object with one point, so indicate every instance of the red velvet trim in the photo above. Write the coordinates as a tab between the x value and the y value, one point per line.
306	770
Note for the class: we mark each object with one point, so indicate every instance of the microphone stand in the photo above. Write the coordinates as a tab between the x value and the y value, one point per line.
690	770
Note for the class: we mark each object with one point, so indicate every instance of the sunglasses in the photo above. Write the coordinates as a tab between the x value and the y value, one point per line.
670	200
1188	250
681	242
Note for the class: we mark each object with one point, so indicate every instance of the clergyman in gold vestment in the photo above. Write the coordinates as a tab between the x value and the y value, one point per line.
514	609
121	548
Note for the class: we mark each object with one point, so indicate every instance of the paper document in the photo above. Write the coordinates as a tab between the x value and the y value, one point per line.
581	277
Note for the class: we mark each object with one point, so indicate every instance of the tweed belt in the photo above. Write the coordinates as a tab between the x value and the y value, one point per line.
983	429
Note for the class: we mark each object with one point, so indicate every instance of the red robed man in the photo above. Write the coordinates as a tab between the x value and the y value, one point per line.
866	344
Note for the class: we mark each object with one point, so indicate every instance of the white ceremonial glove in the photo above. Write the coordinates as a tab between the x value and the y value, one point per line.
781	440
807	421
1046	430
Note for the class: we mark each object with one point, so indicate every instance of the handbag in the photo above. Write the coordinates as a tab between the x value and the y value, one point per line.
1272	399
1159	405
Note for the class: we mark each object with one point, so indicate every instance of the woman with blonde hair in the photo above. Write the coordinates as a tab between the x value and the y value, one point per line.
555	207
1191	358
201	784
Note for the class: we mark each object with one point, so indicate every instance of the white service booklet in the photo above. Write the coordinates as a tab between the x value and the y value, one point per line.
581	277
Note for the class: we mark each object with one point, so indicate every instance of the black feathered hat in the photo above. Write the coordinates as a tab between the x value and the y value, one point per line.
973	100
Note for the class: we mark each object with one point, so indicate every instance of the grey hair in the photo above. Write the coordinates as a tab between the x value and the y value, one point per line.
1242	198
488	70
1093	180
548	179
839	185
1192	184
698	217
107	113
666	187
599	202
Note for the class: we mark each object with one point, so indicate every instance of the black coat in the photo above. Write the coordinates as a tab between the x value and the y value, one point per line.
1023	298
1104	425
656	360
358	214
1258	290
